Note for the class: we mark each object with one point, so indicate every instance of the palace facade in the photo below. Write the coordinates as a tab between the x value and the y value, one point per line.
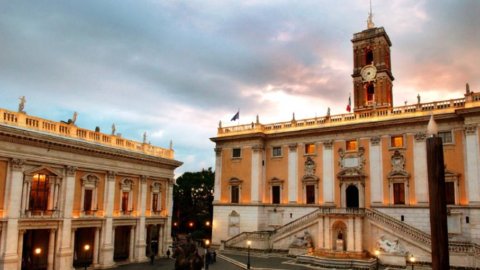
72	197
355	182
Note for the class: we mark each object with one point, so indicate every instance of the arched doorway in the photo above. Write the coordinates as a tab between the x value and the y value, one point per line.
352	196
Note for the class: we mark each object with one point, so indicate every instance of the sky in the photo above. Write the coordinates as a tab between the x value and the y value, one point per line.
174	69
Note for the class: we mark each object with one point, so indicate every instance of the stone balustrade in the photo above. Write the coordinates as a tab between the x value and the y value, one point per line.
26	121
407	111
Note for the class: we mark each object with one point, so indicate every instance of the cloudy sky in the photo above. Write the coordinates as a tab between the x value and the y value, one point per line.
176	68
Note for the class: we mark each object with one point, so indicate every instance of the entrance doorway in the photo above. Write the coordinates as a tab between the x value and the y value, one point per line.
352	197
152	240
84	247
35	250
122	243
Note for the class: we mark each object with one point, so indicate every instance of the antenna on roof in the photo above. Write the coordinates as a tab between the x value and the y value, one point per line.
370	23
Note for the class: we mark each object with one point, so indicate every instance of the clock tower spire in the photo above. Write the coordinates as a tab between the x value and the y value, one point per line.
372	70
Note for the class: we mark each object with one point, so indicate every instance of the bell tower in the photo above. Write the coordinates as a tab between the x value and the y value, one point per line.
372	70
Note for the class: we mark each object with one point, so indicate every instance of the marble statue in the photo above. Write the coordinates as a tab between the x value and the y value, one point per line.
21	105
305	241
388	246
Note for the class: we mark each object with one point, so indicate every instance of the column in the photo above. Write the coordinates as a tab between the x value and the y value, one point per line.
161	247
64	258
51	249
218	175
141	241
96	246
472	161
20	246
327	233
376	171
420	169
10	256
358	234
292	173
257	172
131	255
328	173
106	252
350	234
320	233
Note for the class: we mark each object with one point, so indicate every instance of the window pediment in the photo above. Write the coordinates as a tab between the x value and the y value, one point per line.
126	184
235	181
156	187
276	181
90	180
43	170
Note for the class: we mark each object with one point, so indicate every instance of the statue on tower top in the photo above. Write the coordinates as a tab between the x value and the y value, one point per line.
370	23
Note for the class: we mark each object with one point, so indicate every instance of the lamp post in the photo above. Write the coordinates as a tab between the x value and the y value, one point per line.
86	248
377	253
412	260
249	243
207	243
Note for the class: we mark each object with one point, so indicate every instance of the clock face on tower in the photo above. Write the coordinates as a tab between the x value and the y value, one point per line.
368	73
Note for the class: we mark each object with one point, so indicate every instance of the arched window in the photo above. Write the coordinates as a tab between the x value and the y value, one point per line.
369	57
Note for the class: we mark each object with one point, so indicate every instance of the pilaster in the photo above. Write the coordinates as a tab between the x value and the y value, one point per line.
472	164
376	172
328	175
218	175
292	173
106	253
64	258
420	168
257	172
140	243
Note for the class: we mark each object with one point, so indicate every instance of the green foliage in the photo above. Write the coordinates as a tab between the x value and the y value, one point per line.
192	203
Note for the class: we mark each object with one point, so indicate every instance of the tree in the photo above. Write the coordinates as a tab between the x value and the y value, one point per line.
192	204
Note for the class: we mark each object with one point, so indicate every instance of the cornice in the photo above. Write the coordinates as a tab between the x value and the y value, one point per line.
51	142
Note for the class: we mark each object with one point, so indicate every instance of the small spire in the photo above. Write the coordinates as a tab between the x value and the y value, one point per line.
467	88
257	120
293	117
370	23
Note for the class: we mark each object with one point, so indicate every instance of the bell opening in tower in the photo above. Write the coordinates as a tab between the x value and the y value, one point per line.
370	93
369	57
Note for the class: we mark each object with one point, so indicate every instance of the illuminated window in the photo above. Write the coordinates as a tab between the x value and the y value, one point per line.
156	196
351	145
126	196
446	136
155	202
235	194
309	148
125	207
277	151
236	152
39	192
396	141
88	200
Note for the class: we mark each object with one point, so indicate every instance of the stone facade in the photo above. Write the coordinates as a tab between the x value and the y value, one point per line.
71	197
349	179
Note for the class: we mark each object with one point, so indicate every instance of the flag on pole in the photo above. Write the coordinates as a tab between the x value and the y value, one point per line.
349	108
236	116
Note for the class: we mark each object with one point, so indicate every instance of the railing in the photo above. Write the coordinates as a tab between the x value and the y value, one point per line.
40	214
315	214
72	131
255	236
420	109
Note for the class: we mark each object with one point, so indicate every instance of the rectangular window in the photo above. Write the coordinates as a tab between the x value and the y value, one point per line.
155	202
275	194
351	145
236	152
235	194
446	136
125	201
398	193
310	190
277	151
396	141
39	192
450	192
87	200
309	148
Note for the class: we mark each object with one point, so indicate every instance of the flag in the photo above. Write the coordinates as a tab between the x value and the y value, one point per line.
236	116
349	104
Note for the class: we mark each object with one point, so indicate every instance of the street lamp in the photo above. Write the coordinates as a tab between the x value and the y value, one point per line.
207	243
86	248
412	260
249	243
377	253
37	253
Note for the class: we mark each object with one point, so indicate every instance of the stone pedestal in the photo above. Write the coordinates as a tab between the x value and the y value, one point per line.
339	245
392	259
